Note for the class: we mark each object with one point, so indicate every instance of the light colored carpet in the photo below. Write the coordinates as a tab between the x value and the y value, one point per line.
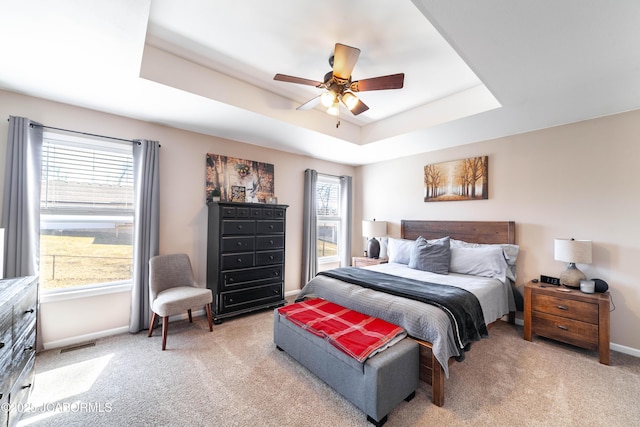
234	376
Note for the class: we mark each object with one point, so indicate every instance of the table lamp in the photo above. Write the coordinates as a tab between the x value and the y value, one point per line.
372	229
574	252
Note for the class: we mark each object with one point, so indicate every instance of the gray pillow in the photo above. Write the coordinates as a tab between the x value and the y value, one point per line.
433	255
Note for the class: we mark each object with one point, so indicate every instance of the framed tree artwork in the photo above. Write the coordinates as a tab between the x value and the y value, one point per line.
466	179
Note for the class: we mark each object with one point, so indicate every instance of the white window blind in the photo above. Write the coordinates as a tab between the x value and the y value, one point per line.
83	179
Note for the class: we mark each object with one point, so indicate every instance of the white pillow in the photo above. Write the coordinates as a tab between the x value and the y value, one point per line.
399	250
510	253
485	261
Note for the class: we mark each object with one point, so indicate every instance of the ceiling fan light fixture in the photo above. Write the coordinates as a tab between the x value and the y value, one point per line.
334	109
327	99
350	100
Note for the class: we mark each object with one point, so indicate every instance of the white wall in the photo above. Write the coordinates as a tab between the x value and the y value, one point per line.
183	225
579	180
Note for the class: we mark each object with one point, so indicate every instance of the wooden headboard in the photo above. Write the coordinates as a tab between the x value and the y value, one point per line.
488	232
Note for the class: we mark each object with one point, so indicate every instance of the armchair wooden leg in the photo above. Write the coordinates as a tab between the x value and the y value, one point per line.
208	309
153	321
165	326
190	318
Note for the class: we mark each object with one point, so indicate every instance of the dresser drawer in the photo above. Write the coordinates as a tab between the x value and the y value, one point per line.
238	244
236	212
563	307
270	227
570	331
237	260
247	298
235	227
269	257
24	312
269	242
5	333
21	391
251	277
23	350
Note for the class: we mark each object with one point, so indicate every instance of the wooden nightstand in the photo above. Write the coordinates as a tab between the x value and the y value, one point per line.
363	261
572	317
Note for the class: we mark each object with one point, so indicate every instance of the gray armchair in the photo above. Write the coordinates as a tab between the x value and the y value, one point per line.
172	290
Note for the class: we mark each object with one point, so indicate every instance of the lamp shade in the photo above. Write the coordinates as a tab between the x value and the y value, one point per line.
374	228
570	250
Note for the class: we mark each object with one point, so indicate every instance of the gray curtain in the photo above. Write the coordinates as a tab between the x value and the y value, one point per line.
309	228
345	205
21	201
146	228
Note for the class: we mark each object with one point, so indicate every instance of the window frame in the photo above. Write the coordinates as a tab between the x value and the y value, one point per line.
86	216
337	218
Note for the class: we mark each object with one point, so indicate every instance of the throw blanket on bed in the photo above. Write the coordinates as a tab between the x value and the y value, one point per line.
462	307
356	334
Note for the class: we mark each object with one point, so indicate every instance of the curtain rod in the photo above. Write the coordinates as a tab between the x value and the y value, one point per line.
84	133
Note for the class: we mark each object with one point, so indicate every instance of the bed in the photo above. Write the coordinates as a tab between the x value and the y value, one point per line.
432	327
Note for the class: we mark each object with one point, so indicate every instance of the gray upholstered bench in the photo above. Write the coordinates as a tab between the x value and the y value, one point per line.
376	386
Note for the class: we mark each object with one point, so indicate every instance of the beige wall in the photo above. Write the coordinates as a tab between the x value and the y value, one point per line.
578	180
570	181
183	226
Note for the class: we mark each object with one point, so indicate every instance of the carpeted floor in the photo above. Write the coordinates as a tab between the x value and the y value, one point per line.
234	376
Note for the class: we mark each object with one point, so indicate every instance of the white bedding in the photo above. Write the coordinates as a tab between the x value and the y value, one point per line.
422	321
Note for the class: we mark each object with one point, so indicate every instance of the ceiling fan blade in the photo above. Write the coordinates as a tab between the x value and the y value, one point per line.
392	81
344	59
299	80
314	102
360	107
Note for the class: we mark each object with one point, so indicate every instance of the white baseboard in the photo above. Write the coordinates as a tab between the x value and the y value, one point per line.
624	349
80	339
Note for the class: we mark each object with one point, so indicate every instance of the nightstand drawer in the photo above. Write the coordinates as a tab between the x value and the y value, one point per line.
566	330
563	307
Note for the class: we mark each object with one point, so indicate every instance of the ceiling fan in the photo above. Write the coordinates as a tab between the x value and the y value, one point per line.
340	87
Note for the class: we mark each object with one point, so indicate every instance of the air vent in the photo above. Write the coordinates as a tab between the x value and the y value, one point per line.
78	347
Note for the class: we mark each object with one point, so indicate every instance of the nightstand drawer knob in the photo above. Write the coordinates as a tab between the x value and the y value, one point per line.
562	307
564	328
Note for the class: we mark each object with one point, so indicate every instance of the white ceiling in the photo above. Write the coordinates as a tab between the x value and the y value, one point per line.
473	70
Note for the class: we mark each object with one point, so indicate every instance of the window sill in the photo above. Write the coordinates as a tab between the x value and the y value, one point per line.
70	294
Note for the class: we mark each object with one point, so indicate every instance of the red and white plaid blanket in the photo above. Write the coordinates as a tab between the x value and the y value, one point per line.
356	334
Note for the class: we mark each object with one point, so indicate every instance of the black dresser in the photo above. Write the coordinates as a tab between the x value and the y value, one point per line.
18	313
245	257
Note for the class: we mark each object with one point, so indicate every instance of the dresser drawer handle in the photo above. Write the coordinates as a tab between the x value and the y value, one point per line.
239	260
270	226
28	348
1	345
564	328
562	307
275	291
26	386
271	257
239	243
239	227
29	311
271	242
231	279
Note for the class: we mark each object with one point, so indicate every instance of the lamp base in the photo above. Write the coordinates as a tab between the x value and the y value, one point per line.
373	248
571	276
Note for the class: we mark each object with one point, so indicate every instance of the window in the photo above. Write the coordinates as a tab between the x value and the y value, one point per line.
328	218
86	212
